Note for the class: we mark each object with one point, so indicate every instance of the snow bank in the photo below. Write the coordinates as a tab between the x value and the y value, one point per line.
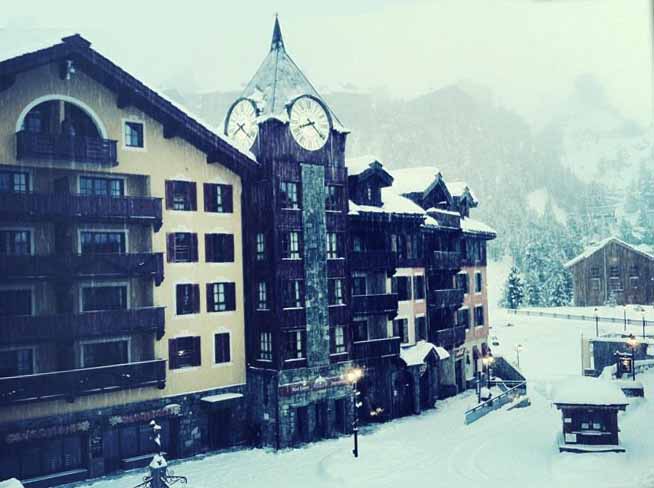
584	390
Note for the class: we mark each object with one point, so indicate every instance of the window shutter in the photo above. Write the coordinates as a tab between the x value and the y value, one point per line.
209	248
207	197
228	248
197	351
172	354
228	198
194	247
230	295
178	296
210	302
193	196
196	298
170	247
169	194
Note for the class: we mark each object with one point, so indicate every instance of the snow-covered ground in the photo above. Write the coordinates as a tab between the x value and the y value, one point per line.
505	448
634	312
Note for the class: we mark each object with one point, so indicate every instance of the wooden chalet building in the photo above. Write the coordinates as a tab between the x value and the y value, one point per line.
122	274
612	270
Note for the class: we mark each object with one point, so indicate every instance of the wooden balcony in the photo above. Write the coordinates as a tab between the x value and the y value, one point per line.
374	304
452	298
445	261
376	348
373	261
34	146
81	266
66	207
27	329
452	337
74	383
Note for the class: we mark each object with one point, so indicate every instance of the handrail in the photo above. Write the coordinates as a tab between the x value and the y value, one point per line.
495	399
569	316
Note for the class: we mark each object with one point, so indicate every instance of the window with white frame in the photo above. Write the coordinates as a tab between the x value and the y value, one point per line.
14	181
134	134
102	242
105	353
15	242
265	345
338	342
295	344
262	296
261	246
335	291
104	297
16	362
291	245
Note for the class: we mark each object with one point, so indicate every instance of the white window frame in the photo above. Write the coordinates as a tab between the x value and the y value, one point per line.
23	229
482	283
123	231
268	334
127	339
260	246
99	284
265	292
123	126
78	184
344	343
21	169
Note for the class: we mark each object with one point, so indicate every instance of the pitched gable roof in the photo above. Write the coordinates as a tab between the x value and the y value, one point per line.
590	250
366	167
421	180
177	121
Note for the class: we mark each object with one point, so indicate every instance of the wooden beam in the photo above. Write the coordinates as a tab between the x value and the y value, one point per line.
123	100
170	129
212	157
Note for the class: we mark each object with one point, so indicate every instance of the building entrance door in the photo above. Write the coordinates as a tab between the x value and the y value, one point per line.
321	420
219	428
301	424
458	371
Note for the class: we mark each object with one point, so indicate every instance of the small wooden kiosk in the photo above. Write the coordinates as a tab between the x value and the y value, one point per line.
589	410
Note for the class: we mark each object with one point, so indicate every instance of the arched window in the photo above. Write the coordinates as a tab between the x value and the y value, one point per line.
59	117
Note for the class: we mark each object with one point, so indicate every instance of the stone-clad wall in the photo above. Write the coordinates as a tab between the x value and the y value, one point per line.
315	264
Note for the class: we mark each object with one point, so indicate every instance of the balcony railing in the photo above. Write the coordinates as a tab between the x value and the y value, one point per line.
60	147
445	260
372	260
65	327
85	208
452	337
452	298
149	265
73	383
374	304
376	348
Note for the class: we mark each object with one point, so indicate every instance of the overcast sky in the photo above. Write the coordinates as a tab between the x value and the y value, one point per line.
528	52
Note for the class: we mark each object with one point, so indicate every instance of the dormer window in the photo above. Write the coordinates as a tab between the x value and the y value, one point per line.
369	193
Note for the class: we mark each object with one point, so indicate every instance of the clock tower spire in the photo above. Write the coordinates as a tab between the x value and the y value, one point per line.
277	40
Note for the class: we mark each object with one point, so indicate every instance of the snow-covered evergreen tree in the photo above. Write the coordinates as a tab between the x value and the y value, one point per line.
514	292
558	289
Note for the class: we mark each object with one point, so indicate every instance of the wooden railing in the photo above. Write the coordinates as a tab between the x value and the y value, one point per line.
84	266
451	298
374	304
73	383
451	337
86	208
376	348
65	327
495	403
59	147
445	260
372	260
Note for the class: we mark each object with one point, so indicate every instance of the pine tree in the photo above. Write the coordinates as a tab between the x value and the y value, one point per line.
513	290
558	289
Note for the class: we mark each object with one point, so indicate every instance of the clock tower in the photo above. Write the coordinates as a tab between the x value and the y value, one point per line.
297	294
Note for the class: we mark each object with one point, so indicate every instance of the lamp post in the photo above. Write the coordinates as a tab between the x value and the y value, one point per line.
596	323
625	317
487	362
633	343
643	325
353	376
518	348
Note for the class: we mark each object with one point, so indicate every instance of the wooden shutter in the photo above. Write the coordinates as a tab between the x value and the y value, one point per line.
170	247
172	352
195	296
197	351
194	248
169	194
193	196
209	248
230	296
228	248
210	302
228	199
178	298
208	195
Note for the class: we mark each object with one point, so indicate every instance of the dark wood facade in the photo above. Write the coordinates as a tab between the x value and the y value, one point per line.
612	270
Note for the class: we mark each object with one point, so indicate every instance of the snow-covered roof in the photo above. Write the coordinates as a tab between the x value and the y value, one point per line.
585	390
472	226
278	81
459	188
359	164
415	354
590	250
11	483
412	180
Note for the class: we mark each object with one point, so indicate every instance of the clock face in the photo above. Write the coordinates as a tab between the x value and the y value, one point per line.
310	123
241	124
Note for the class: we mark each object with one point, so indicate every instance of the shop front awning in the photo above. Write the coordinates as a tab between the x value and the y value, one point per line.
222	400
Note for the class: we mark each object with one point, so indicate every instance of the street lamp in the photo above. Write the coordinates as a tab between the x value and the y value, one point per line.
596	323
633	343
625	317
487	362
353	376
643	324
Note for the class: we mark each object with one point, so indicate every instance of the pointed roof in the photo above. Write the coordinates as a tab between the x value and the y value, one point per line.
278	81
593	248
